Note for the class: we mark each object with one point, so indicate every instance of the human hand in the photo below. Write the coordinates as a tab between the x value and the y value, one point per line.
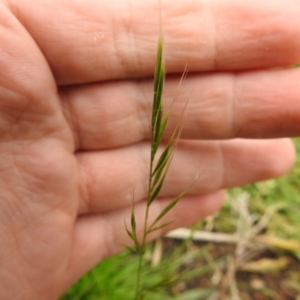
75	106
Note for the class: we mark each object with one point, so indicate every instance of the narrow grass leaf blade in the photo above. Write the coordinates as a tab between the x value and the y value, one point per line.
130	249
133	236
157	129
135	240
130	234
157	114
161	168
158	98
133	222
160	171
156	179
157	189
151	229
163	162
168	208
160	132
163	159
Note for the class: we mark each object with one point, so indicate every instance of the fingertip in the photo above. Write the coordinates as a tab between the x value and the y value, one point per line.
283	156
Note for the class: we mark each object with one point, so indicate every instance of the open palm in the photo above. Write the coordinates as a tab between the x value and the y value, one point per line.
75	106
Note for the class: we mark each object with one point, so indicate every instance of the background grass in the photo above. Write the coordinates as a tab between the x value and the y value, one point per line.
263	264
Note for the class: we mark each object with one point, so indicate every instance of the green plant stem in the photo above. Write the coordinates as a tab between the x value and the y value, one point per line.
145	231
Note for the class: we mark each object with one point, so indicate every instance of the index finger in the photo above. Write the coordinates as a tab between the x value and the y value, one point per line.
88	41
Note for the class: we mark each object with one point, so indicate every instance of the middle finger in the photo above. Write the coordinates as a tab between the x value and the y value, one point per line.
258	104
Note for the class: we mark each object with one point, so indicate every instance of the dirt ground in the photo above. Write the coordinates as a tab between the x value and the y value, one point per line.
268	275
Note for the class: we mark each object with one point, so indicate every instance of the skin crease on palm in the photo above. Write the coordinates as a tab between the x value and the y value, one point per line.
75	106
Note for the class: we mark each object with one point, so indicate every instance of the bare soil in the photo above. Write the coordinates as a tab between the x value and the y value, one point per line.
234	283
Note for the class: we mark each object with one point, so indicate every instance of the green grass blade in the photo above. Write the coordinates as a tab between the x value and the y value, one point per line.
157	189
164	158
167	208
130	234
160	132
160	172
130	249
133	222
151	229
157	130
134	239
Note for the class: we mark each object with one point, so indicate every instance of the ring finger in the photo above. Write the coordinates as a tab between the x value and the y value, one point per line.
109	178
221	106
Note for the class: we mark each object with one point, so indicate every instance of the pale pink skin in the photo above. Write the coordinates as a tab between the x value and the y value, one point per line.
75	105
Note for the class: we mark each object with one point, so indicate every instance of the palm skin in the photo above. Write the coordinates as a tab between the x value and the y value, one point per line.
67	164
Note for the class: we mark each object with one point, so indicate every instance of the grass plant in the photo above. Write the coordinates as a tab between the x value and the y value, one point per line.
159	164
